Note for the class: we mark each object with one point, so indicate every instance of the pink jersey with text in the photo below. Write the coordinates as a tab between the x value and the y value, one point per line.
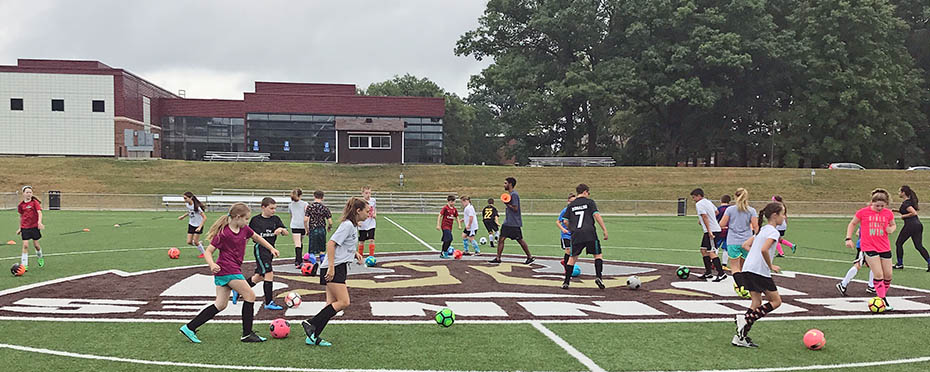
873	227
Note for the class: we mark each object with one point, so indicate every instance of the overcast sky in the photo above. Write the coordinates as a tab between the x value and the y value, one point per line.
217	49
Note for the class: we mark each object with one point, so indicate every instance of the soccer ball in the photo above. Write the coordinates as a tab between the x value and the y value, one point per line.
174	253
18	270
292	299
371	261
683	272
814	339
741	291
633	282
877	305
280	328
457	254
445	317
306	269
483	241
576	271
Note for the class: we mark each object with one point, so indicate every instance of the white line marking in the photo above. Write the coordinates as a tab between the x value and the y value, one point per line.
91	252
411	234
587	362
820	366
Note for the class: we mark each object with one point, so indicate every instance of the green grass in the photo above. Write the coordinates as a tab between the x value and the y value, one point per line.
688	346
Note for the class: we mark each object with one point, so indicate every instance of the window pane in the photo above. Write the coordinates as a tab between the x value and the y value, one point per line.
375	142
58	105
97	106
16	104
353	141
386	142
432	128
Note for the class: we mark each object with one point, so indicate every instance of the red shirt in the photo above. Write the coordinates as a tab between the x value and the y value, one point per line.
29	214
872	235
448	216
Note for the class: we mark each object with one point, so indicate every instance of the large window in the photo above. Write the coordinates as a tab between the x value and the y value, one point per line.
369	142
423	140
189	137
293	137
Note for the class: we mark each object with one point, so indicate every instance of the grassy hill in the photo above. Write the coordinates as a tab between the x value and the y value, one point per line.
649	183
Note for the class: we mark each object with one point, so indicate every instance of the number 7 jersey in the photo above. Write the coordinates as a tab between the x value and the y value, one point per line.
581	220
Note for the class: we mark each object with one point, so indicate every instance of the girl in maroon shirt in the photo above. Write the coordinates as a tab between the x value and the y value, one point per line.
30	222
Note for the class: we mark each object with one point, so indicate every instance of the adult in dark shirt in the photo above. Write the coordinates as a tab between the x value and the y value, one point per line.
582	212
912	229
513	223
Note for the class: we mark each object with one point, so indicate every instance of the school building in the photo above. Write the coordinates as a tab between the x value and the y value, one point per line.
86	108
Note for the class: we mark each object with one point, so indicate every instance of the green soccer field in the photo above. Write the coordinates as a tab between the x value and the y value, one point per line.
142	241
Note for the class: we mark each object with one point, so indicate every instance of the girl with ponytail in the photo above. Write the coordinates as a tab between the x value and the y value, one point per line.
757	273
876	224
741	222
912	229
196	218
782	228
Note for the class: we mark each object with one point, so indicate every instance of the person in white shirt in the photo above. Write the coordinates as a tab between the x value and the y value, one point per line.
757	273
298	210
707	213
366	228
470	218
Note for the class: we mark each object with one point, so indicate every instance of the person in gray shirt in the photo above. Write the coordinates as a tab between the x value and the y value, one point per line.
741	222
513	223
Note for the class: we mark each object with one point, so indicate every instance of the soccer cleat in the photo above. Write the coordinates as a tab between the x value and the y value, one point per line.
273	306
316	341
495	261
41	261
467	253
726	268
706	276
779	255
870	290
928	267
529	260
252	337
740	324
720	278
479	253
794	248
564	285
899	266
200	256
599	283
191	335
309	329
749	342
888	306
235	297
841	289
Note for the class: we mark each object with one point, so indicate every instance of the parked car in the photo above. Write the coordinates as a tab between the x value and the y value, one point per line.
852	166
919	167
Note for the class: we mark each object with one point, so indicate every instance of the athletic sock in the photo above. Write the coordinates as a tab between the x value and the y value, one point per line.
322	318
24	260
718	266
852	274
568	272
887	285
299	253
39	253
371	249
565	259
724	259
753	315
598	267
880	289
248	309
738	279
361	248
200	248
474	244
871	279
269	291
465	245
249	281
205	315
707	265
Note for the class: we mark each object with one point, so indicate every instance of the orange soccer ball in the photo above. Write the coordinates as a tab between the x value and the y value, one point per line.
174	253
814	339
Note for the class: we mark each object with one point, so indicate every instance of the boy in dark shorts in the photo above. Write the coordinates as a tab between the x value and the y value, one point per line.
491	221
582	212
513	224
268	226
321	221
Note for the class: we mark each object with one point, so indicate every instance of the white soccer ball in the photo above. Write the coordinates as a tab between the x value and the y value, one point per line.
292	299
483	241
633	282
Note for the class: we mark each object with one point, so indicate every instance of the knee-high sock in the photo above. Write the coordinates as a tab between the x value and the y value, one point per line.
299	253
249	281
871	279
361	248
371	249
753	315
474	244
565	259
200	248
598	267
205	315
707	265
568	272
24	259
465	245
881	287
718	266
724	258
778	248
269	291
786	242
248	311
322	318
852	274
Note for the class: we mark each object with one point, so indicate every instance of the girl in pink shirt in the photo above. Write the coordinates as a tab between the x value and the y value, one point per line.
876	224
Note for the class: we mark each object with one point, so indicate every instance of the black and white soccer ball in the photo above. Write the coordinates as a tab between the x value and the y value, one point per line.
633	282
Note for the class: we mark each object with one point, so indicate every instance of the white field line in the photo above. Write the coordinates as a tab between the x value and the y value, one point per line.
411	234
820	366
583	359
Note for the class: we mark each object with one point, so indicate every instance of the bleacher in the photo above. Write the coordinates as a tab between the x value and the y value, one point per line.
395	202
572	161
236	156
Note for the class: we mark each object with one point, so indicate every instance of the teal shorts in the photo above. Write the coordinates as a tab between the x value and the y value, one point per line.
736	251
225	279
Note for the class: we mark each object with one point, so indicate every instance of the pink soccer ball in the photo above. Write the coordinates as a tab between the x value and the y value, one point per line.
280	328
814	339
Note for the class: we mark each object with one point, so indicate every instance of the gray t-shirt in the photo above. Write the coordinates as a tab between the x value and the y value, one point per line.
513	218
346	239
740	224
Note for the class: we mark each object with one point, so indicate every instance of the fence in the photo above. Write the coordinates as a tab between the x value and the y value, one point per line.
403	202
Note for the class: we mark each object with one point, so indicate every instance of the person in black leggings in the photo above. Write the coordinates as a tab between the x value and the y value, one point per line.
912	229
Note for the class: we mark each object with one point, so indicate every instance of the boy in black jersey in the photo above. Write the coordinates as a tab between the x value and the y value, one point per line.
582	212
491	221
269	227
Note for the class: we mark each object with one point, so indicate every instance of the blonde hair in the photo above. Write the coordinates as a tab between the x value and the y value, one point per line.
350	213
236	210
742	199
296	194
880	195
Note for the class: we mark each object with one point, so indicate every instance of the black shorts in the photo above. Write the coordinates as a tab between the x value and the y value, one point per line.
707	244
758	283
364	235
511	232
491	226
317	240
263	258
883	255
298	231
781	232
591	247
31	233
340	275
469	233
194	229
566	243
